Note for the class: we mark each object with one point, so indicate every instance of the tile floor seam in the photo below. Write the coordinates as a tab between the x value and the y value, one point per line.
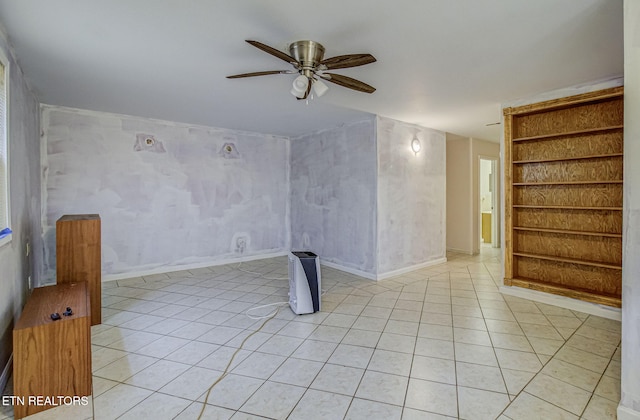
545	364
455	366
504	382
406	391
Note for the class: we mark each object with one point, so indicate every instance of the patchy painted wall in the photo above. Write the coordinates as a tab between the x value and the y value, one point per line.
630	386
168	194
24	187
333	195
411	196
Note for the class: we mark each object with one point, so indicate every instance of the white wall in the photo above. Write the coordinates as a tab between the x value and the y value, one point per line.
459	194
333	195
24	185
411	197
630	386
180	202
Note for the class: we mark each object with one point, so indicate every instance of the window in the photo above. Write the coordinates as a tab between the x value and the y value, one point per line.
4	148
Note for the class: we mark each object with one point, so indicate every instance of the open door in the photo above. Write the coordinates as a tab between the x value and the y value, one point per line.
489	199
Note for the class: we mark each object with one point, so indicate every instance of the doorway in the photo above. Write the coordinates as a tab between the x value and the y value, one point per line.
488	192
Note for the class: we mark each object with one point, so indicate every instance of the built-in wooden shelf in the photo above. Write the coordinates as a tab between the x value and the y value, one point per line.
568	232
563	172
571	133
568	260
608	155
529	184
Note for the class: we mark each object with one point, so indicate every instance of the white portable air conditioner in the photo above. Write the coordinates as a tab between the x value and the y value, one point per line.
304	282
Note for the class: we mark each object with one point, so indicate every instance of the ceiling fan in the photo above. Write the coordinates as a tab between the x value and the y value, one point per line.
307	59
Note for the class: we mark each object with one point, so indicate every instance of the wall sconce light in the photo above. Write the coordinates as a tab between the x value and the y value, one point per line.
415	145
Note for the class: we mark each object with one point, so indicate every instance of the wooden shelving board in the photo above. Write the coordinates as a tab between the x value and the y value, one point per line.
570	133
534	206
608	155
529	184
568	260
568	232
563	291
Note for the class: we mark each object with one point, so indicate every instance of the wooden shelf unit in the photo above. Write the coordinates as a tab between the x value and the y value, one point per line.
52	358
78	256
563	196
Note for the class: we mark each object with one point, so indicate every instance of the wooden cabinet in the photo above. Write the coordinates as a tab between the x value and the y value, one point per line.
78	256
486	228
563	196
52	358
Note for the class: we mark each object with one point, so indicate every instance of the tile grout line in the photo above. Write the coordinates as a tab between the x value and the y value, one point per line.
545	364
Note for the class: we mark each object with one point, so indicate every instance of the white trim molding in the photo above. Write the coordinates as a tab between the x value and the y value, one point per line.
460	251
174	268
626	413
349	270
410	268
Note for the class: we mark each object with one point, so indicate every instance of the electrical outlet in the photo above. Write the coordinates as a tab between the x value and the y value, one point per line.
241	244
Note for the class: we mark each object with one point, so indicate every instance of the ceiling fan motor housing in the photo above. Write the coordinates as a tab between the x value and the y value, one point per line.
309	54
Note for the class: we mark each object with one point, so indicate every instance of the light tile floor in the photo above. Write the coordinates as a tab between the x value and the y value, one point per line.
436	343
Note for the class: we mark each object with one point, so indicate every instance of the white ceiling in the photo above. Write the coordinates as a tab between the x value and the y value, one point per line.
444	64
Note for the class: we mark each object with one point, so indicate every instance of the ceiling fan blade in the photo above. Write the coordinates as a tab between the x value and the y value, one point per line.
350	60
274	52
348	82
258	73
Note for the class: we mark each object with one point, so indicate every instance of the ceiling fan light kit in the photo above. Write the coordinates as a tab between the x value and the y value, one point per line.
307	59
300	85
319	87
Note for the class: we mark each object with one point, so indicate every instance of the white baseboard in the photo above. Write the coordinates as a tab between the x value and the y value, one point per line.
349	270
383	276
564	302
6	373
410	268
172	268
460	251
355	271
626	413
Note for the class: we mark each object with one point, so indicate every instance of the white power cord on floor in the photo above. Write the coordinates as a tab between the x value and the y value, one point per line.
260	274
278	304
226	369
